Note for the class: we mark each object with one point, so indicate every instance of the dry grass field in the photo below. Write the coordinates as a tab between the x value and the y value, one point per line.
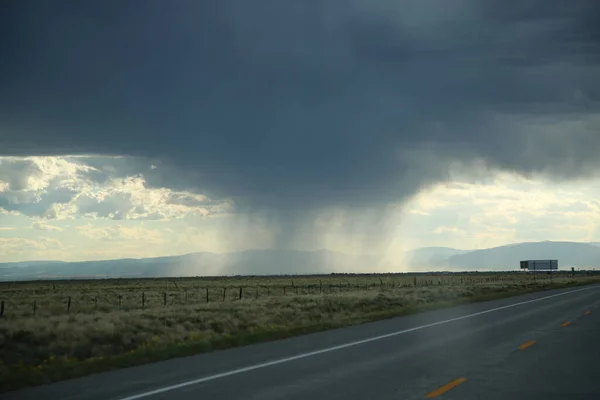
107	324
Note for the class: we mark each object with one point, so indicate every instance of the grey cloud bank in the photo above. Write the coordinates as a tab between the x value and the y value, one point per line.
305	105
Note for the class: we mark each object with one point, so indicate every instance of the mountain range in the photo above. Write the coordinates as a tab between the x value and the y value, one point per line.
568	254
288	262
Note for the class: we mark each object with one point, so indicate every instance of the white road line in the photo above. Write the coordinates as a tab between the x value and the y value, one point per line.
339	347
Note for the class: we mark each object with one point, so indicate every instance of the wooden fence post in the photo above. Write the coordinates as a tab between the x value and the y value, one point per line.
34	307
143	299
164	298
224	291
69	305
2	308
241	292
207	295
257	292
320	286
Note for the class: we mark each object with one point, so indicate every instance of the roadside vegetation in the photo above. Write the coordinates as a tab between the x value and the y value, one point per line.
52	330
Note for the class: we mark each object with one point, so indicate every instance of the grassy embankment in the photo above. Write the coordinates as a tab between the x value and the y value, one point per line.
106	326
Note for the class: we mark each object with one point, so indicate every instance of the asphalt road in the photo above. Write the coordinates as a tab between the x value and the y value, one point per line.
538	346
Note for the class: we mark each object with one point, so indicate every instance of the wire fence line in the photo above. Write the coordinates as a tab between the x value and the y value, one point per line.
57	298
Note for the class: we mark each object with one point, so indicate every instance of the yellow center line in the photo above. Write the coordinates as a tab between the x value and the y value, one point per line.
527	344
565	323
439	391
587	312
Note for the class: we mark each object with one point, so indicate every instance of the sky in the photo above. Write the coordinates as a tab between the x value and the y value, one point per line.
367	127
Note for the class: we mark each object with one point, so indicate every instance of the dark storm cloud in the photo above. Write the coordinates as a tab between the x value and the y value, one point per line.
304	104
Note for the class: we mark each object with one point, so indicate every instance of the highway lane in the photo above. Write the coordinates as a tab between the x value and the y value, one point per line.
562	364
464	352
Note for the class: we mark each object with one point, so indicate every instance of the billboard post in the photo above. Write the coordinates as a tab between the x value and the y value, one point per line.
539	265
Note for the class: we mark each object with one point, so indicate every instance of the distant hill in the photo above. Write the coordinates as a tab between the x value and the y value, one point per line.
288	262
251	262
568	254
431	256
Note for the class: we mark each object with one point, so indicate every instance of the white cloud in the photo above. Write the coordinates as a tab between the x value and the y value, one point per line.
39	225
64	187
448	229
38	248
503	209
120	233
